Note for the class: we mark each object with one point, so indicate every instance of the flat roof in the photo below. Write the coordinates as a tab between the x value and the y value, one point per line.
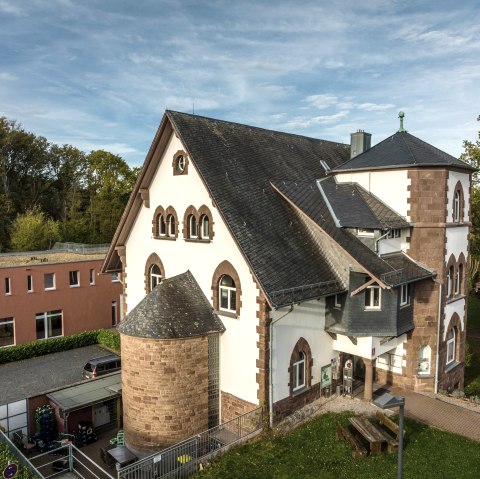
44	258
88	393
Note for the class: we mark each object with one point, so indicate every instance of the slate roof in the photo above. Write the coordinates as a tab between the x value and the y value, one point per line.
353	206
393	269
236	163
175	309
401	150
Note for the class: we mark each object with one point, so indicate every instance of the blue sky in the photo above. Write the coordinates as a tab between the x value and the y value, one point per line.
99	74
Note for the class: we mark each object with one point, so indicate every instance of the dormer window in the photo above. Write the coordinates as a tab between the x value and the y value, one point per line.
373	297
395	233
404	295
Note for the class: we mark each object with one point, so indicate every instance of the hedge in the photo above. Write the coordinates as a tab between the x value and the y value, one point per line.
110	339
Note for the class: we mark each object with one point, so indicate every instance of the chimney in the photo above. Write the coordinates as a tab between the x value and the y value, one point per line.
360	142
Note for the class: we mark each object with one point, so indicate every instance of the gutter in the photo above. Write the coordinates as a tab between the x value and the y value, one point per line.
270	392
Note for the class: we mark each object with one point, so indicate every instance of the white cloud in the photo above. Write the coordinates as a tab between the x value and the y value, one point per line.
9	7
4	76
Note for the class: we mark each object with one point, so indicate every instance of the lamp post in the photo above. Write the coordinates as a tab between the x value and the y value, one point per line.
387	401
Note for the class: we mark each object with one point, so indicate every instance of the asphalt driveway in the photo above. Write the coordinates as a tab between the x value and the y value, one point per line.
23	379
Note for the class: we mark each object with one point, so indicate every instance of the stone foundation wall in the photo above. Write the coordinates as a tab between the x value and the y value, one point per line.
285	407
165	391
233	406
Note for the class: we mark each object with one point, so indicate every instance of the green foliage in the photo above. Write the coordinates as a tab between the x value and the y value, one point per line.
312	451
6	458
32	231
472	369
108	338
473	388
473	311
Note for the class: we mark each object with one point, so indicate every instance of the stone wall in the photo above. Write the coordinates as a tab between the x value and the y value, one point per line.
165	391
287	406
232	406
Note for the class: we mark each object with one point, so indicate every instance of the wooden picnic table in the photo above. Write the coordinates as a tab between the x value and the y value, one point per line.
375	436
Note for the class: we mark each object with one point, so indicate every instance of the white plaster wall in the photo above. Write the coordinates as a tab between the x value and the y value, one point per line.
238	343
363	348
393	245
457	242
389	186
453	178
458	307
306	320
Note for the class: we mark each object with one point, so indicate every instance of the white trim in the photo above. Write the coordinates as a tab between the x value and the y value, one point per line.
299	370
370	296
53	276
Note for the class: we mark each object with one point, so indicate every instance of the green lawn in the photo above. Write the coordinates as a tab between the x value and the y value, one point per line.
473	315
312	451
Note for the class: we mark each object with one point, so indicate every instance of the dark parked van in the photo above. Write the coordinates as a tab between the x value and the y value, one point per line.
103	365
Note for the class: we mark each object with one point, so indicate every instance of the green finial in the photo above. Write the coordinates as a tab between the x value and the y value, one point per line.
401	115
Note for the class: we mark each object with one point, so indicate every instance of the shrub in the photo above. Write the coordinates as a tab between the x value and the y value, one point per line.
473	389
458	393
109	339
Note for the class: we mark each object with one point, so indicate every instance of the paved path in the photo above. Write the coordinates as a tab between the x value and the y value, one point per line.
440	414
23	379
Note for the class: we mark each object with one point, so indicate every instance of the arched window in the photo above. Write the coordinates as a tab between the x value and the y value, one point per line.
299	372
204	227
192	227
171	226
162	227
450	279
451	346
155	276
300	367
228	294
424	357
180	163
458	203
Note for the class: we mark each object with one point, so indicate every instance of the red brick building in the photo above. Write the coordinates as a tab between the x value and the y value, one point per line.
55	293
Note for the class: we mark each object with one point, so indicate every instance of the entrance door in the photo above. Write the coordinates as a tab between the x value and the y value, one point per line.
101	415
358	368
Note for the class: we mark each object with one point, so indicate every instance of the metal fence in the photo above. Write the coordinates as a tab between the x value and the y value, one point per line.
183	459
80	248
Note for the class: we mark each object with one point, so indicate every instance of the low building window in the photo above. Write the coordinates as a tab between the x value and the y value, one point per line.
7	332
373	297
8	286
114	313
115	277
74	279
424	356
404	295
92	276
49	324
30	283
49	281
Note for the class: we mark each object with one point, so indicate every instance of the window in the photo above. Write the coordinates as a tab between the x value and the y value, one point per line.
91	276
299	372
372	297
155	276
458	280
395	233
365	232
114	313
74	279
404	294
49	324
171	226
7	335
49	281
30	283
456	207
451	346
424	356
162	227
228	294
204	227
336	301
450	279
180	163
8	286
192	227
115	277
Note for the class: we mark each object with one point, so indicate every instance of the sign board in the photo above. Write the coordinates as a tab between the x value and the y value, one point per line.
10	471
326	376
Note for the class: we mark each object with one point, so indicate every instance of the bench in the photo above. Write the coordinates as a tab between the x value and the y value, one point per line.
393	427
358	449
375	436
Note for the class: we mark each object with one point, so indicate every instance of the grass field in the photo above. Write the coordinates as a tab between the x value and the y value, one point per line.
312	451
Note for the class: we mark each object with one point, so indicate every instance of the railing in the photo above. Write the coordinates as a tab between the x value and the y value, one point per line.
19	457
183	459
80	248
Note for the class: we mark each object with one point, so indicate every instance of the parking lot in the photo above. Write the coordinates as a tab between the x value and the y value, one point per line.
23	379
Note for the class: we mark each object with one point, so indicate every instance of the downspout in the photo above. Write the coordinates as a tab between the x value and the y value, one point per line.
270	392
438	335
381	237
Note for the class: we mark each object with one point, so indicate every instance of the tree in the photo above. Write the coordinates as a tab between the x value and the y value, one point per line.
33	231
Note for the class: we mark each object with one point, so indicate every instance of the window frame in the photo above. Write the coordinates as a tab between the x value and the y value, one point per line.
457	203
336	301
299	370
423	359
53	277
231	292
154	277
366	232
394	233
4	322
8	286
115	277
192	224
47	317
162	226
91	274
204	220
74	278
370	295
114	313
450	281
405	294
29	283
451	346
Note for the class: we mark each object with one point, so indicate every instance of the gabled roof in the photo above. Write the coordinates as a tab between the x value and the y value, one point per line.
176	308
392	270
353	206
236	164
401	150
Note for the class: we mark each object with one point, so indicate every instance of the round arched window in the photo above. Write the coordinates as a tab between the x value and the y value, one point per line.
228	294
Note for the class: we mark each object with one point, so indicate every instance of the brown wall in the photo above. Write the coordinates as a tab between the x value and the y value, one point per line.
85	307
164	389
232	406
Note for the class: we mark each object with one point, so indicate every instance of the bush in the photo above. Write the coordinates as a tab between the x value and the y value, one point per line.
54	345
458	393
473	389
